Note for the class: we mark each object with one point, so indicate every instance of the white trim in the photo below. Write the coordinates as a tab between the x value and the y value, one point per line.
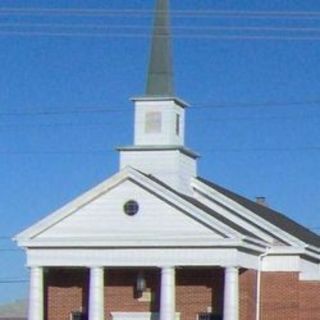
231	294
152	257
167	293
146	242
72	206
313	249
26	238
258	288
235	217
310	271
138	315
244	212
96	293
36	294
274	263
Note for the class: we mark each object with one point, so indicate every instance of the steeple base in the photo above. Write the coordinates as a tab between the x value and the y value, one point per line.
174	165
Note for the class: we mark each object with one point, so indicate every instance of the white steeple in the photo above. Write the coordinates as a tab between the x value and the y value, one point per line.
159	127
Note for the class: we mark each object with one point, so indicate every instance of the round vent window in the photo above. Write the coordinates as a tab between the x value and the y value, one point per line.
131	207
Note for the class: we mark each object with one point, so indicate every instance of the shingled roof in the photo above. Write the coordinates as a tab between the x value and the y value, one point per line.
276	218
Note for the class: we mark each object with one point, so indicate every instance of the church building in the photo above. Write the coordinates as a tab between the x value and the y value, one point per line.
157	242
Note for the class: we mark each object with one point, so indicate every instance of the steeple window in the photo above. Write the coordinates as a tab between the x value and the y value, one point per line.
153	122
177	124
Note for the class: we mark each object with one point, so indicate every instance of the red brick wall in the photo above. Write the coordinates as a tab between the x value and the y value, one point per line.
248	293
279	296
309	298
198	291
120	293
283	296
65	291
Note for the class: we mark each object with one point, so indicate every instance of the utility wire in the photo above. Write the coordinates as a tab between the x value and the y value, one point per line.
13	281
212	119
174	13
63	112
213	150
134	27
137	35
196	106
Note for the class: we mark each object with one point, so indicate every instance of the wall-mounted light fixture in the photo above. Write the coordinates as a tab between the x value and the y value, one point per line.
141	282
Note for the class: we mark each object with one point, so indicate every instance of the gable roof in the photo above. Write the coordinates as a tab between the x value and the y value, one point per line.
204	208
155	186
276	218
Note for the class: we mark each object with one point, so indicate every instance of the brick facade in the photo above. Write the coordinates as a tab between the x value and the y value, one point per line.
248	293
309	300
121	295
199	291
65	291
283	296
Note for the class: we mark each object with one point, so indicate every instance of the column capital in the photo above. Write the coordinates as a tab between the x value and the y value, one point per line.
232	268
167	268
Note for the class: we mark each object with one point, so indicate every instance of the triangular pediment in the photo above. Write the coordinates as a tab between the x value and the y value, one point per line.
98	218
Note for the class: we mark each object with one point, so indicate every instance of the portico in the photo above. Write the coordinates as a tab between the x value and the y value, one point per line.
166	282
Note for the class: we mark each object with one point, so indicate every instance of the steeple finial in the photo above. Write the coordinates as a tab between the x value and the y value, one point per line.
160	82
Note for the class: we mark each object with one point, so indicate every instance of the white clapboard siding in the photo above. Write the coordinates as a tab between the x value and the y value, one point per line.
170	166
104	217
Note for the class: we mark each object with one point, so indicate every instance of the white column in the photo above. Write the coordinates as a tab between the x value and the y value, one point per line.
231	294
36	301
167	294
96	294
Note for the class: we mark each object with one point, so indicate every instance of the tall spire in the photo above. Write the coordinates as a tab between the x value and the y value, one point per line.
160	82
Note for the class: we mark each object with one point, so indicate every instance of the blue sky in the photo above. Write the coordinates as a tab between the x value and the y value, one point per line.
64	106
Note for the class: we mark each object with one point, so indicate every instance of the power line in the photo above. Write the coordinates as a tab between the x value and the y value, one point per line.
196	105
147	28
62	112
13	281
207	119
145	12
207	105
107	124
137	35
212	150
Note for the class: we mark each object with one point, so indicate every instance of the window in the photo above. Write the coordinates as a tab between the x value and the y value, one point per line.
78	315
131	207
153	122
177	124
209	316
